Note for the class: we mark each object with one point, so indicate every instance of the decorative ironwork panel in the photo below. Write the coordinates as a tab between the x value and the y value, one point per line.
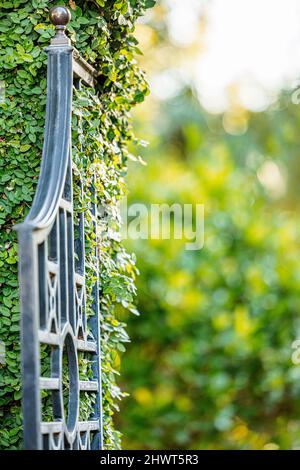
55	328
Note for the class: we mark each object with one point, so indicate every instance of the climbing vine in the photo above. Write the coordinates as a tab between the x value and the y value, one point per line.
102	31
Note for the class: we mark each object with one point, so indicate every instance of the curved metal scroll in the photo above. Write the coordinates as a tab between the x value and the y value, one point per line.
54	324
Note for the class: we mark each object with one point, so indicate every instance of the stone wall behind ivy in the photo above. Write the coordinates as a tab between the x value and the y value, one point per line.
102	31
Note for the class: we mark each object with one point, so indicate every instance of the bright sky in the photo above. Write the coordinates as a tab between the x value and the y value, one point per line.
252	43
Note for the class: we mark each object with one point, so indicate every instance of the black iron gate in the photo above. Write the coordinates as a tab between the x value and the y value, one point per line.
52	276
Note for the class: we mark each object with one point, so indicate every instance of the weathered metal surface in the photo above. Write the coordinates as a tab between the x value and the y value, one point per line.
2	352
83	70
52	281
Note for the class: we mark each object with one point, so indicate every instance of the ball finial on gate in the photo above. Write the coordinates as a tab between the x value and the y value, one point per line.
60	16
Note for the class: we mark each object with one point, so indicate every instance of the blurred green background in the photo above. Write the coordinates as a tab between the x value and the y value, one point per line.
209	365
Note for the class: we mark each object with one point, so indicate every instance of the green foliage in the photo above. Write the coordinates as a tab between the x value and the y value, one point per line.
210	363
101	126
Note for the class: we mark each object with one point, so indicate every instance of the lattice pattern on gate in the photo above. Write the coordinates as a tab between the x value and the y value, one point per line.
55	327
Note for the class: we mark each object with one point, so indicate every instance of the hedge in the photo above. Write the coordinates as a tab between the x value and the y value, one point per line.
103	33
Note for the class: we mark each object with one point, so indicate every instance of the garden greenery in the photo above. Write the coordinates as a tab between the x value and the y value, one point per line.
218	372
102	31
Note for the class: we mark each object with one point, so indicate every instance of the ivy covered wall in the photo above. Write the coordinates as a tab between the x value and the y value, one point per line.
102	31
